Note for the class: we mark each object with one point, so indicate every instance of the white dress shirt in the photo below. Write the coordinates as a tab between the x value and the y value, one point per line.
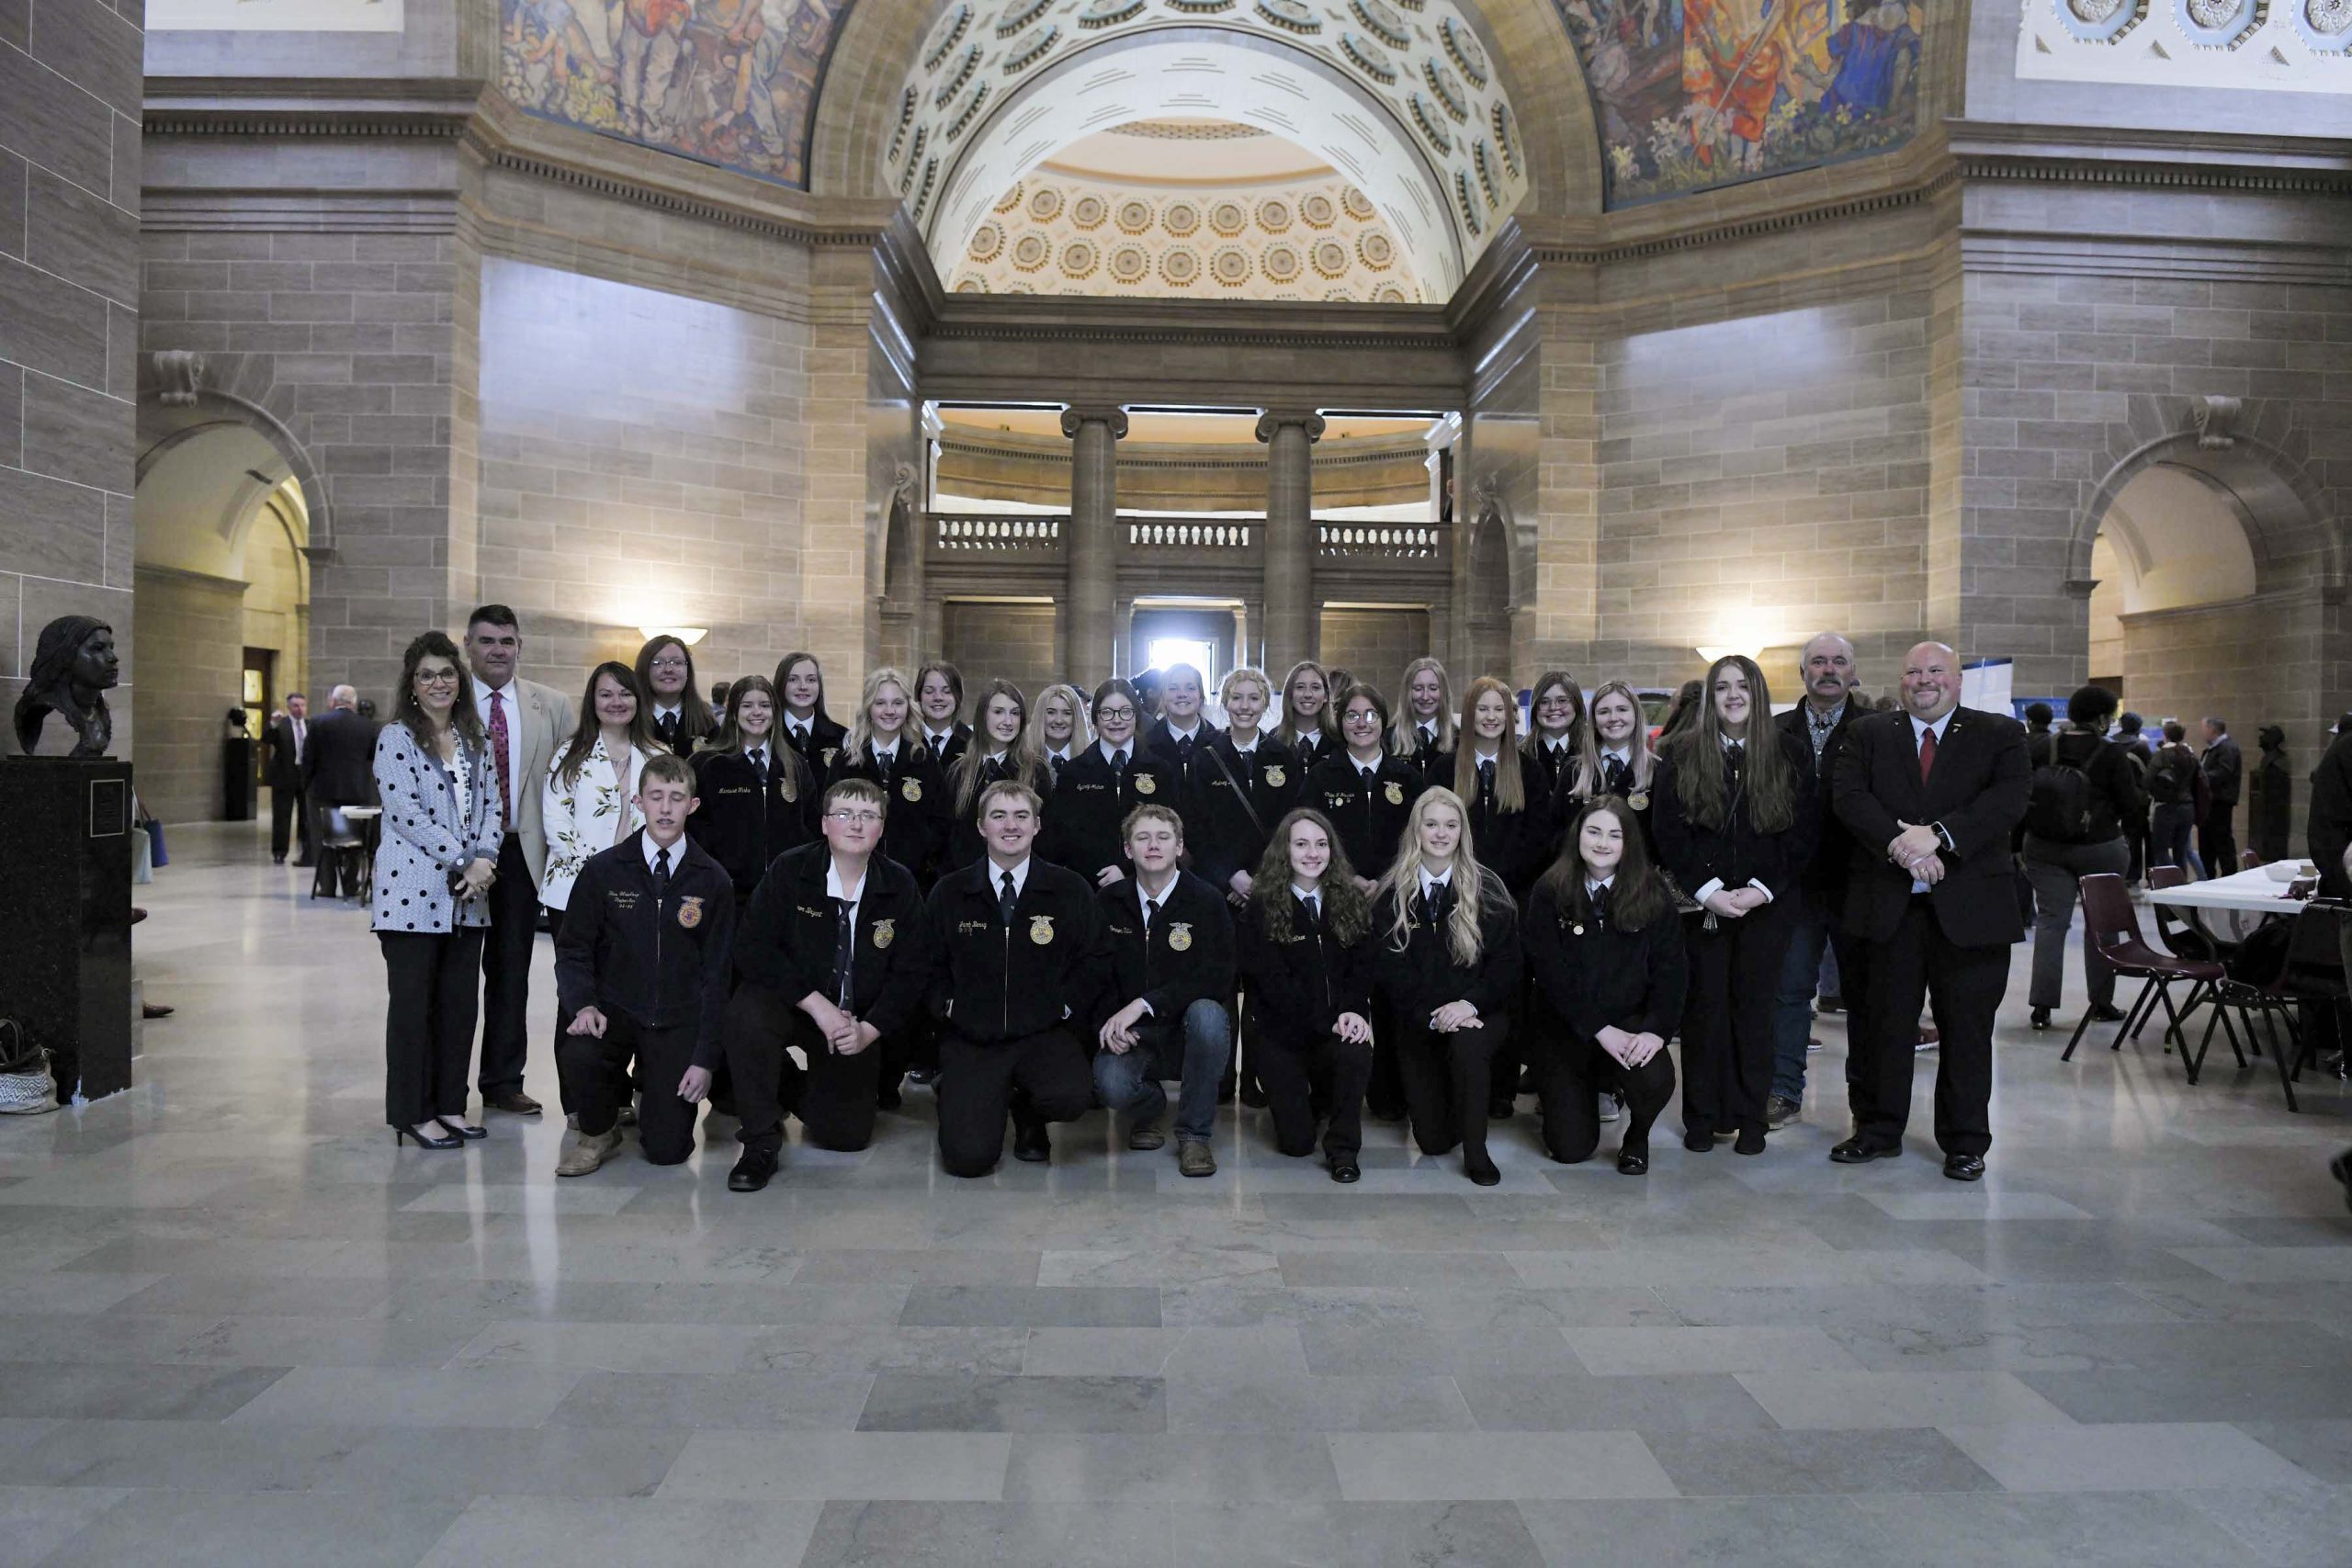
677	851
1919	727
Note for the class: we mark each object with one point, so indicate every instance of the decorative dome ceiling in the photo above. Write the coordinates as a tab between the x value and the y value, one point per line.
1400	97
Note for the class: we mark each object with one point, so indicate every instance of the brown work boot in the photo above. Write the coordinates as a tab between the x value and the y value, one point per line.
1192	1158
588	1151
1145	1138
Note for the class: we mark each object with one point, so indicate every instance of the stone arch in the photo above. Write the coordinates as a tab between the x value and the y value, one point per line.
899	571
182	395
1491	600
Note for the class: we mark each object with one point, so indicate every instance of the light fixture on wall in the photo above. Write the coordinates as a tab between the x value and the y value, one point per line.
1711	654
690	636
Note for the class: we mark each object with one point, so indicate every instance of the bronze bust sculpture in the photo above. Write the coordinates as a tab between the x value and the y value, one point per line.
75	664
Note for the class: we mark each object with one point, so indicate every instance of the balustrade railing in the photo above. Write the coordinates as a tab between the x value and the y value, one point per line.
1041	537
1380	541
997	536
1181	534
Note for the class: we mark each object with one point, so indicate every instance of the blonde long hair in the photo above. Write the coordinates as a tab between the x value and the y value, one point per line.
1402	881
1511	791
1081	732
861	728
1590	782
1404	729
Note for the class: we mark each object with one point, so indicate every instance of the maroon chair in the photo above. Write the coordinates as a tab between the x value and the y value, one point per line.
2109	919
2249	860
2184	939
2307	975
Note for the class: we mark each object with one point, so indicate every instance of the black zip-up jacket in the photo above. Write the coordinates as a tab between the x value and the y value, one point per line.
1188	958
660	962
914	825
1161	743
1327	745
743	824
965	844
1736	853
1514	845
1370	818
1601	974
824	744
1832	853
1427	756
944	754
787	939
993	983
1424	978
1298	989
1220	830
1083	817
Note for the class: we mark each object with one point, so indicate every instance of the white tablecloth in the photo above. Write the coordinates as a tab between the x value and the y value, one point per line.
2249	892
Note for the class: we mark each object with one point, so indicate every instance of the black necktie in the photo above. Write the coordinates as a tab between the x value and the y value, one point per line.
1438	900
1312	907
1150	913
666	727
1006	900
1119	764
844	949
1184	749
1056	763
800	737
882	765
1619	775
760	765
1738	753
1487	780
1600	905
660	874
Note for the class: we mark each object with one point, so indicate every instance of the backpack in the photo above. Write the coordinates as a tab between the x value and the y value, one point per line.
2169	782
2059	807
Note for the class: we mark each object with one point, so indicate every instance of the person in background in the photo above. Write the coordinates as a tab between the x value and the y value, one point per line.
1306	701
666	672
289	734
1059	730
338	768
719	698
2082	792
2130	736
1145	686
2175	784
642	970
1423	730
1365	790
1556	740
1822	722
2270	808
805	725
437	856
1240	782
1682	711
1510	828
2224	770
939	702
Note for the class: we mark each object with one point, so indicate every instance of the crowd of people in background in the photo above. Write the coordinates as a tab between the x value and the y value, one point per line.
1424	909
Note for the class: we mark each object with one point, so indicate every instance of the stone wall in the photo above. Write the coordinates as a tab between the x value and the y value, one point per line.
1375	645
192	628
1015	641
70	90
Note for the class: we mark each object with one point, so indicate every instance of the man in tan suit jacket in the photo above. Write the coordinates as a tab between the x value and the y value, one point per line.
525	722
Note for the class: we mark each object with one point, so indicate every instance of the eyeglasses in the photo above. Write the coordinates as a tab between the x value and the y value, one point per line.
669	666
437	677
856	818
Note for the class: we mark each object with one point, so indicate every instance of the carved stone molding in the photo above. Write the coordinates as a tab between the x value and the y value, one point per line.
2217	420
906	484
179	373
1116	418
2079	587
1271	421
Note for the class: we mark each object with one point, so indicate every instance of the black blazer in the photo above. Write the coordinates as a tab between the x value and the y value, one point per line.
1370	818
1427	754
993	983
1233	805
786	941
284	772
1327	745
1599	973
2329	829
743	824
662	962
1977	793
1515	845
1824	874
1162	745
1298	989
824	743
1083	817
1735	852
339	769
945	755
1188	958
1424	978
2116	796
914	826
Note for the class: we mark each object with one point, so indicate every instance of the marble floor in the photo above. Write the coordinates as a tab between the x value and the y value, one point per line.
237	1325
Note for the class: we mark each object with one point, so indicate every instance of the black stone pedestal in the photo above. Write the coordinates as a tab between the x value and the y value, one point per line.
237	779
65	915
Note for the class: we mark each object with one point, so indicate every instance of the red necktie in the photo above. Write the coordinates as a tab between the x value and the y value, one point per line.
1927	754
498	757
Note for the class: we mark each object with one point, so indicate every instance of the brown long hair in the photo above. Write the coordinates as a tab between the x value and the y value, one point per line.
1702	781
1028	763
1638	895
576	750
1590	779
409	712
695	722
1510	790
1577	726
784	667
1465	936
1325	724
1347	913
797	780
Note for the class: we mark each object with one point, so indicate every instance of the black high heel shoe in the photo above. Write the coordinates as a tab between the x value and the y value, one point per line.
422	1141
465	1130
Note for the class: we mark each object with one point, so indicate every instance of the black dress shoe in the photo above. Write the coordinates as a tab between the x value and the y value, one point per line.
1480	1168
1384	1112
922	1075
1033	1146
2106	1013
1860	1151
2039	1018
1253	1095
1345	1173
751	1172
463	1128
1633	1160
1699	1142
888	1097
1751	1141
1965	1167
514	1102
1500	1108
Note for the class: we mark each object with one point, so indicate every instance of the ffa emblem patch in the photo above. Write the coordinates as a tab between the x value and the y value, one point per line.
690	911
1639	800
1578	931
1041	929
1275	777
910	789
1180	938
829	753
1146	784
885	933
1396	793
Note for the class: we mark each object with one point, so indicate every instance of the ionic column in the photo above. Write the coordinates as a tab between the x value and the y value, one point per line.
1092	548
1293	624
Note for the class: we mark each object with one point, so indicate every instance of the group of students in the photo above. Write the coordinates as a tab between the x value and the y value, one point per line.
1066	904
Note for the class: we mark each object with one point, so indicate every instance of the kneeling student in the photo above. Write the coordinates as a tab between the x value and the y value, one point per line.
1166	969
832	961
1009	938
1303	948
1606	949
641	969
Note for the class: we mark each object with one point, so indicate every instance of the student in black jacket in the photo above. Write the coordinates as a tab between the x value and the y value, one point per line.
1101	786
939	704
1735	824
1309	726
805	725
883	749
1605	947
1510	824
2083	790
1617	760
1556	743
1180	730
832	961
1239	784
1165	970
1303	950
1422	730
999	749
1009	937
642	969
1366	793
1057	731
758	797
1445	971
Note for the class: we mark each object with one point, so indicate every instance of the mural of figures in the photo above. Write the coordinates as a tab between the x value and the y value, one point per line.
1695	93
730	82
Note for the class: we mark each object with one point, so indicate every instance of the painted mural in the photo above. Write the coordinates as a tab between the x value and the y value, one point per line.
1694	93
729	82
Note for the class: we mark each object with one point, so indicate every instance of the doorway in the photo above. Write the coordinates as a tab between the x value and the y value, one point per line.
1200	637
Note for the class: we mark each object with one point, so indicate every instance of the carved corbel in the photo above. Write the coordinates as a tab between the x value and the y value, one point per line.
2217	420
179	374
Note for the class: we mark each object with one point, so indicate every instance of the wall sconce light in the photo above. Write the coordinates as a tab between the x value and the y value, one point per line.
690	636
1711	654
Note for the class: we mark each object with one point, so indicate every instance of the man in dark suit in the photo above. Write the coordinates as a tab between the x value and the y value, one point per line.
1931	795
1822	721
2224	770
288	735
339	755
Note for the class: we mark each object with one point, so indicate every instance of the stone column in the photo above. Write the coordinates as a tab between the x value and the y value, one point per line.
1292	619
1091	548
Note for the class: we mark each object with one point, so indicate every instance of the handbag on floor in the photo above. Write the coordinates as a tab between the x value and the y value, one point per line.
25	1086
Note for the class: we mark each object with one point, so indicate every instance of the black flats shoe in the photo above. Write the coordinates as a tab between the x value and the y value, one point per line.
1855	1151
448	1141
1965	1167
1033	1146
1345	1173
1633	1161
1699	1142
2039	1018
1751	1141
752	1171
1481	1169
2106	1013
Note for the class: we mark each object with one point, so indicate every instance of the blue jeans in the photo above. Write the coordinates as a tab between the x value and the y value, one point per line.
1131	1081
1792	1011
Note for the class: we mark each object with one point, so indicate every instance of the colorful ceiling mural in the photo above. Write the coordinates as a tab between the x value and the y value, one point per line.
1690	94
727	82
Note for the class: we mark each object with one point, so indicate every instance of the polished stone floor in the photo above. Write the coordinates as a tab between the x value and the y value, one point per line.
237	1325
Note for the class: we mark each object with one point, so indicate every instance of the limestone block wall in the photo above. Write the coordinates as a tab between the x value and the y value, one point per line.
69	307
192	627
1375	645
987	641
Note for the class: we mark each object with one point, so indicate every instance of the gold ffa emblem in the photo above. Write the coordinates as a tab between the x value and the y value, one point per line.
1639	800
910	790
1041	929
690	911
885	933
1275	777
829	753
1180	938
1396	793
1146	784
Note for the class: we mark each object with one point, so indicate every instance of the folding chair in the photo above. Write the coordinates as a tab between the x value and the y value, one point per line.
2309	973
341	850
2110	920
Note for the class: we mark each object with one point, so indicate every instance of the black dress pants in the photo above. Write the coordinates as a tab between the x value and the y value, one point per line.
428	1022
1446	1078
833	1097
1036	1079
1571	1075
288	815
513	902
1963	985
1289	1067
593	1070
1727	1033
